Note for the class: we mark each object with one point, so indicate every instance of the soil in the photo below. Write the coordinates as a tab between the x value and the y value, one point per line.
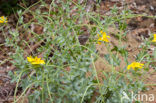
139	28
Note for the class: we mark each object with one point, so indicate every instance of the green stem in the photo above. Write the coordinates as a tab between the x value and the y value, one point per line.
19	78
42	72
48	89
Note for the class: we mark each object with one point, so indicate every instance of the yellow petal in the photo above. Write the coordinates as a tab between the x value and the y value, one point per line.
135	65
99	42
35	60
100	38
98	35
104	34
30	59
3	19
101	31
108	36
154	40
105	39
42	62
128	67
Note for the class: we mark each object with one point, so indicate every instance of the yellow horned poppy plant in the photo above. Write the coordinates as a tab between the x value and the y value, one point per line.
35	60
3	19
103	38
154	39
135	65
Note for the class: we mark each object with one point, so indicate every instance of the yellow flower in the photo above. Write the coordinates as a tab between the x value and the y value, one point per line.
35	60
135	65
154	39
3	19
103	38
15	73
